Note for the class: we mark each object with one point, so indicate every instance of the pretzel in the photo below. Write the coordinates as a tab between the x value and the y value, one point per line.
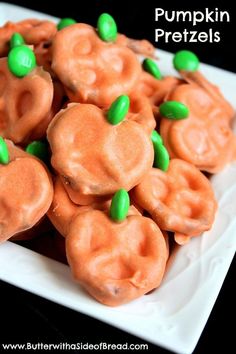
43	54
205	138
116	262
156	90
141	112
24	103
39	131
63	210
34	31
93	71
227	111
95	158
102	144
26	192
138	46
180	200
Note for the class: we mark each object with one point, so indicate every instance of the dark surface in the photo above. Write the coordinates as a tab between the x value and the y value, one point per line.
25	317
28	318
137	20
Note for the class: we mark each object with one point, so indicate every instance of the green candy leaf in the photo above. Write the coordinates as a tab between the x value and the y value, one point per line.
151	67
65	22
107	29
38	149
21	60
156	138
161	157
118	110
4	154
16	40
186	61
119	205
174	110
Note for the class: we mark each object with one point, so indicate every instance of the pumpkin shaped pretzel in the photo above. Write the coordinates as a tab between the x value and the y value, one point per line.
116	262
93	71
26	191
95	158
180	200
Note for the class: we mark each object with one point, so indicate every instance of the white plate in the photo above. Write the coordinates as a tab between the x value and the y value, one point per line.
193	280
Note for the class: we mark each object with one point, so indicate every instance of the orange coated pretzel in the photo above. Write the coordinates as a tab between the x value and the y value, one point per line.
25	103
180	200
63	210
57	102
138	46
205	138
227	111
156	90
43	54
116	262
34	31
141	112
26	192
95	158
93	71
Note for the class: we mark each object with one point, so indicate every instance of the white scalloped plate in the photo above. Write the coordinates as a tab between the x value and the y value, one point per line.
174	315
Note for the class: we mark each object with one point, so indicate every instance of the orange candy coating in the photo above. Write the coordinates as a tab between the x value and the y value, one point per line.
141	112
92	70
95	158
205	138
25	104
33	31
156	90
63	210
116	262
180	200
26	192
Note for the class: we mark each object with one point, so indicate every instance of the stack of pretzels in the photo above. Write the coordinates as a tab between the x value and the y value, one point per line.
88	121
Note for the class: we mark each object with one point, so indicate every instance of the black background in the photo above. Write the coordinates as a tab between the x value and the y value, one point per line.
26	317
137	20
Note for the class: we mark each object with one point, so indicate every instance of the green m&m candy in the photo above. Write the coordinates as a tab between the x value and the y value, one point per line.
186	60
65	22
16	40
118	109
161	157
4	154
174	110
151	67
38	149
21	60
119	205
156	138
107	29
